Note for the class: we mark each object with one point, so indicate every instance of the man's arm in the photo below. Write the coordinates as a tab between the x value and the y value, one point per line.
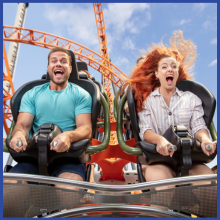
21	131
83	131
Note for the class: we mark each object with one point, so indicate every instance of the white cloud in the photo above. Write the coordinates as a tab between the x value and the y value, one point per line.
121	61
78	21
214	62
211	24
121	17
213	41
184	21
200	6
128	44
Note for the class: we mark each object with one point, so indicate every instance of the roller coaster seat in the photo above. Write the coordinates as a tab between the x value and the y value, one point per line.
174	134
77	152
83	66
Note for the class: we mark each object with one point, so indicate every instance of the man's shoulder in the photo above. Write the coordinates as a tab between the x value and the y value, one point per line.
37	89
40	87
78	88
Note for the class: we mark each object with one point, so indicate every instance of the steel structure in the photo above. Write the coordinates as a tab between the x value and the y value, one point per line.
6	94
46	40
103	45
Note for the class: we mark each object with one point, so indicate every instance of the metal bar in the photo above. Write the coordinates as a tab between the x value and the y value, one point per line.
110	188
123	145
5	149
146	210
106	138
213	131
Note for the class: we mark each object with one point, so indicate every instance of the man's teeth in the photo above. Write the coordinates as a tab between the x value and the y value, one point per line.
58	72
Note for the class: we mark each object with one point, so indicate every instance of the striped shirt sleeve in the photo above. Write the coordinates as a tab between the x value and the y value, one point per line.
145	120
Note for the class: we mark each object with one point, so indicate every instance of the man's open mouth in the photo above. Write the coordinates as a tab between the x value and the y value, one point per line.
58	73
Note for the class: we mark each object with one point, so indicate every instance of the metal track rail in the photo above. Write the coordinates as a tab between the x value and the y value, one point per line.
112	188
129	209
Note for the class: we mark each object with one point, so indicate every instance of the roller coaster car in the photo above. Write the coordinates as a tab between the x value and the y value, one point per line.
38	145
188	149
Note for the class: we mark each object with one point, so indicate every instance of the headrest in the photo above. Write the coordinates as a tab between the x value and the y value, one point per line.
83	76
82	66
74	72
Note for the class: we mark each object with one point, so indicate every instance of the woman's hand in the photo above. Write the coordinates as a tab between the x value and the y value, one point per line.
203	136
205	142
162	145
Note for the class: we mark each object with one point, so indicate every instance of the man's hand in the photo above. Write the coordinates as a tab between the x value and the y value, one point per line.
208	142
162	145
18	136
63	143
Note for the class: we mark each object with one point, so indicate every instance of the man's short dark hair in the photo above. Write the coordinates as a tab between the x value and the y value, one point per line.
56	49
140	58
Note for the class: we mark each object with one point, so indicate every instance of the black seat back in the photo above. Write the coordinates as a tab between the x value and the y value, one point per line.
133	113
208	100
83	66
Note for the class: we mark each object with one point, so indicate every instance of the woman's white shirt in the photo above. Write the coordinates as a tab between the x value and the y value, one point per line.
185	109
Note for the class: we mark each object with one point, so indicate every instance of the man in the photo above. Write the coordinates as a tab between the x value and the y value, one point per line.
59	102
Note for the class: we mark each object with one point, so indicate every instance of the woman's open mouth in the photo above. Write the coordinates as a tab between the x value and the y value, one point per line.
169	79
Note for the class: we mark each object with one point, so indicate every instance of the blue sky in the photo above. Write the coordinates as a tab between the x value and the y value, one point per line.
130	28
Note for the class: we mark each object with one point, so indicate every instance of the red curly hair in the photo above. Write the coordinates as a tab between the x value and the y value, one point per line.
143	80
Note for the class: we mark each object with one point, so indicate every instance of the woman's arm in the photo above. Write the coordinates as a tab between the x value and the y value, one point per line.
161	142
203	137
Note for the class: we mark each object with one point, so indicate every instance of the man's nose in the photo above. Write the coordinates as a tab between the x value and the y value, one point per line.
58	63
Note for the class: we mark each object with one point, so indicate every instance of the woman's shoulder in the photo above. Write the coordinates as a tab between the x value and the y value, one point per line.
190	96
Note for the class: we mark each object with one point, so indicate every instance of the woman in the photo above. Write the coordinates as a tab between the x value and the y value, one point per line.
160	104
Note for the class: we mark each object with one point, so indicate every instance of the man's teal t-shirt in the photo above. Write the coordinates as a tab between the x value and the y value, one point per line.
56	107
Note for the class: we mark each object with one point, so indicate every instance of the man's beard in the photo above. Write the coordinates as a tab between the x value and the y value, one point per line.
59	82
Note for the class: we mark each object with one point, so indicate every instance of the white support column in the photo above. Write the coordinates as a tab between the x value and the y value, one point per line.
13	53
14	46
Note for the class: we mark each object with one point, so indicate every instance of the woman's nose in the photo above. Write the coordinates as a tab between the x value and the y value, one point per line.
170	68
